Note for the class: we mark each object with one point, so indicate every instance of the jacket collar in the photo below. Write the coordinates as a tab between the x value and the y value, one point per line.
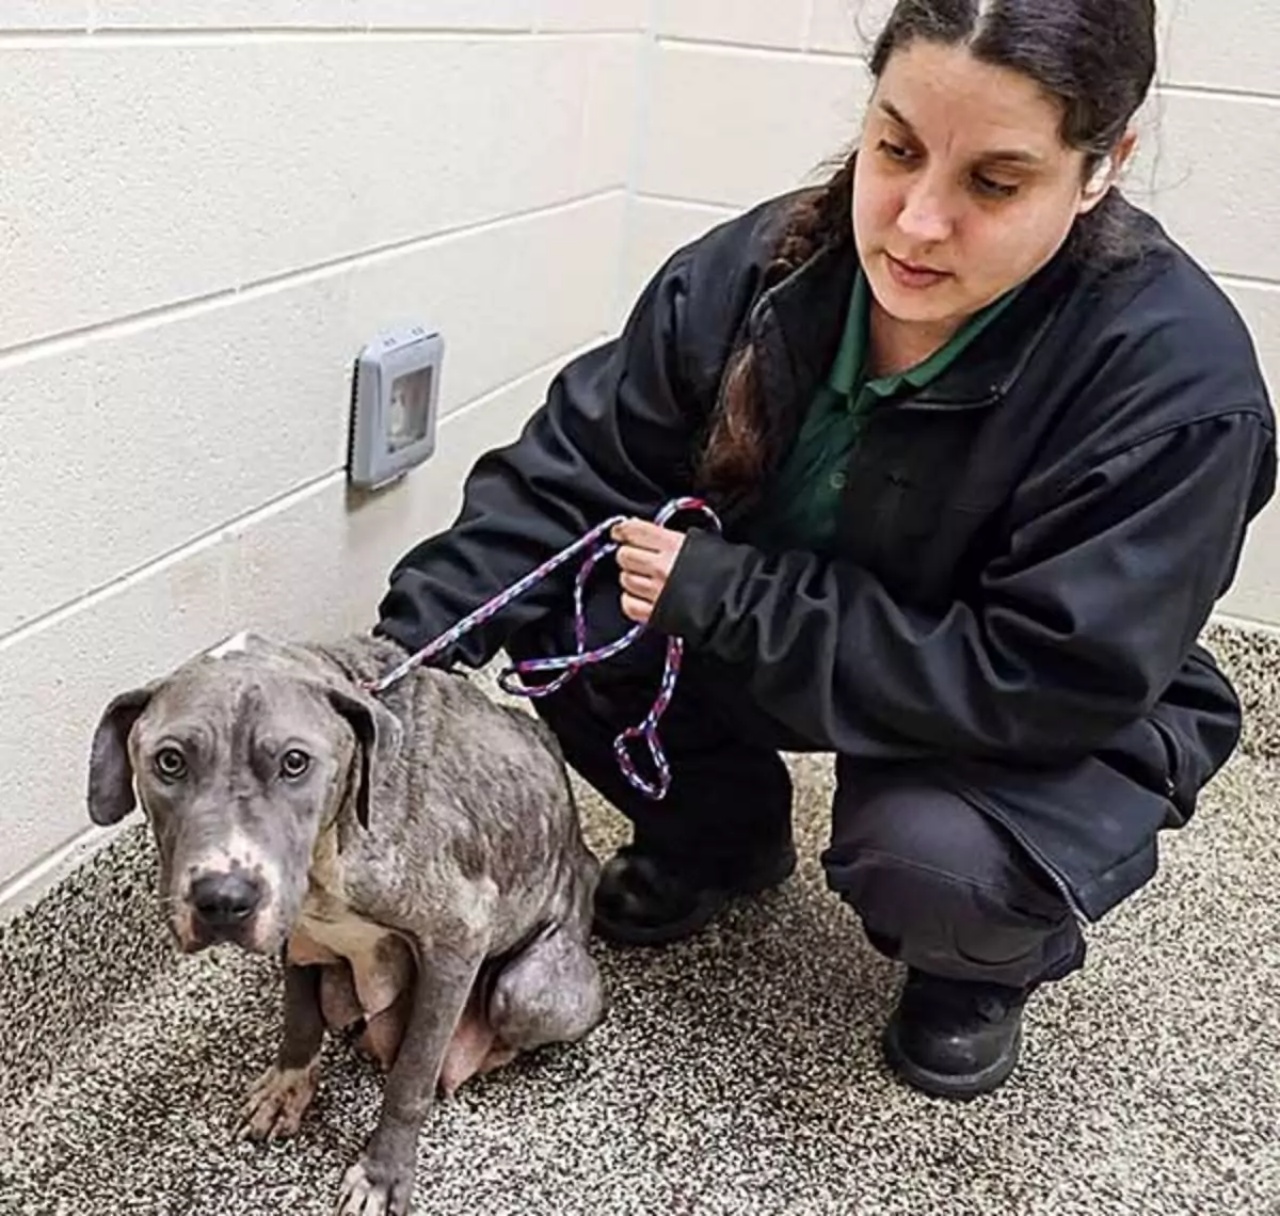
796	325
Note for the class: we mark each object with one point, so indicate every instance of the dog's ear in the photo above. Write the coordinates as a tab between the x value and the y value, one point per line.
378	735
110	771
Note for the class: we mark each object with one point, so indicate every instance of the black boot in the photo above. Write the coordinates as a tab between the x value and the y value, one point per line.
640	901
954	1038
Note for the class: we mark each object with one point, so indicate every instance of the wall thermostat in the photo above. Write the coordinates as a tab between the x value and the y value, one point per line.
395	391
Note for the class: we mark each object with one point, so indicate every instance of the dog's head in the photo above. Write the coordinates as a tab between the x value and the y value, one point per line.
240	758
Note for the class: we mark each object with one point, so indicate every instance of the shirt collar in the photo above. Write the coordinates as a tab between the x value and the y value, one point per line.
847	371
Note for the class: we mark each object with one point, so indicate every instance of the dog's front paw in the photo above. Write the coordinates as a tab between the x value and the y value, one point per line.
376	1188
277	1101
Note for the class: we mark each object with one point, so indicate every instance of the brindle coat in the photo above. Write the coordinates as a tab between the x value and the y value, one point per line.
415	857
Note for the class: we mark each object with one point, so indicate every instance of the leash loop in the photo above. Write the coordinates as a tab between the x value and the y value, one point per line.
569	665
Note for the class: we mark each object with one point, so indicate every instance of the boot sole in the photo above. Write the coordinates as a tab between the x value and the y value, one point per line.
963	1086
712	903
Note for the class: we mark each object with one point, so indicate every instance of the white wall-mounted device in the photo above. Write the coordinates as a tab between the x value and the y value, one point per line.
394	405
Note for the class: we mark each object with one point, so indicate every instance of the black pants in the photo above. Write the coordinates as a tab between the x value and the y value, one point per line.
935	883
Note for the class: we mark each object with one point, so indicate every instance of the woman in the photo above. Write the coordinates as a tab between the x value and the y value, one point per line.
985	443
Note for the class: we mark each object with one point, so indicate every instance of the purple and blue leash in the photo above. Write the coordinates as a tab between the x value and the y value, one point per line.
571	664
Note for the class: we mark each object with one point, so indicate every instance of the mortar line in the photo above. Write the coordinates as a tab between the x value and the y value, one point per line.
674	200
762	49
170	557
1217	93
1247	280
275	505
133	323
729	45
806	28
152	36
15	889
636	155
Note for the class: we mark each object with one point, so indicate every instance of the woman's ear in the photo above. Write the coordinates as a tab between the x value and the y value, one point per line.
1108	171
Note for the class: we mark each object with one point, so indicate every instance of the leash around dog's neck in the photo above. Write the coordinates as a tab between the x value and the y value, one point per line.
570	665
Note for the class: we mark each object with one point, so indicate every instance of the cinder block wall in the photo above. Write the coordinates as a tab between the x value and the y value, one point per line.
206	208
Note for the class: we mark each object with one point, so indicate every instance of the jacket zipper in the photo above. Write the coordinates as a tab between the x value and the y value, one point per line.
1058	881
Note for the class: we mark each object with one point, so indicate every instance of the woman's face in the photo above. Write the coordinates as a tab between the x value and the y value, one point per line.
963	187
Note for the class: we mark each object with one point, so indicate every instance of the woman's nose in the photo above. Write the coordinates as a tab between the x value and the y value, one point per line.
925	215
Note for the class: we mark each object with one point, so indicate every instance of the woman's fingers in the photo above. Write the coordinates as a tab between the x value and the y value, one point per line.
638	561
636	609
641	534
645	555
644	585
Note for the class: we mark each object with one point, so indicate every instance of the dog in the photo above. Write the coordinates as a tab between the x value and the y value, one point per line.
415	858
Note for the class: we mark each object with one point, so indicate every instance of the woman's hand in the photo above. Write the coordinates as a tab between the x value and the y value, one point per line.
646	554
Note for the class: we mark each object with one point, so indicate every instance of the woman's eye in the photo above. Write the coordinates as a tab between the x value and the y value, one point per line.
294	763
895	152
170	764
993	189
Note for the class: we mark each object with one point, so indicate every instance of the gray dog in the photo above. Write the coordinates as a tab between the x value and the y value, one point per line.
415	857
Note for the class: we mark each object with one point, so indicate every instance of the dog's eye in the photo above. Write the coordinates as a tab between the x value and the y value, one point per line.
170	764
294	763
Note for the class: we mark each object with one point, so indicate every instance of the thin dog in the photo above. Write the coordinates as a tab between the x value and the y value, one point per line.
415	858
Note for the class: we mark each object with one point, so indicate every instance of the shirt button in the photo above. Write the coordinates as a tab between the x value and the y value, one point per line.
838	480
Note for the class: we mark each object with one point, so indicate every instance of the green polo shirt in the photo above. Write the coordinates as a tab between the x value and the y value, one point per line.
801	506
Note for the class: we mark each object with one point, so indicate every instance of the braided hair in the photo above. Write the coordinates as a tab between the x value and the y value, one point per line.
740	439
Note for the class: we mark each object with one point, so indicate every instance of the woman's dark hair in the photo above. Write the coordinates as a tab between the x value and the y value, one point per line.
1097	58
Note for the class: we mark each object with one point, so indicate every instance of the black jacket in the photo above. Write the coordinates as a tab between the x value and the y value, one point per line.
1029	550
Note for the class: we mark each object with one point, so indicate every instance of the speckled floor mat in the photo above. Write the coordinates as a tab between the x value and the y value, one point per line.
736	1074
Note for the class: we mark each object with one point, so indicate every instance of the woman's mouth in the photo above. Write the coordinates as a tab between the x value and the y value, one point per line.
914	276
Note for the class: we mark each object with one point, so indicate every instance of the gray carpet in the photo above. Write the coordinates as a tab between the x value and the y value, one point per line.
737	1074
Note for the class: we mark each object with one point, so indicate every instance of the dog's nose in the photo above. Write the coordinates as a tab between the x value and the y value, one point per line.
224	900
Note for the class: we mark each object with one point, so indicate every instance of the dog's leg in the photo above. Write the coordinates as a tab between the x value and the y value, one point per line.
280	1097
381	1182
550	993
339	1001
474	1047
384	1031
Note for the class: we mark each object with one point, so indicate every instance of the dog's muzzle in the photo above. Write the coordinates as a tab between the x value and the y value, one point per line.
223	905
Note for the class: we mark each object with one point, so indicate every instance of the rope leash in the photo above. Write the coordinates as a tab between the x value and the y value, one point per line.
570	665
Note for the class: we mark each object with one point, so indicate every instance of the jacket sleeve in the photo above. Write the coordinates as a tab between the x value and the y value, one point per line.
1074	632
611	437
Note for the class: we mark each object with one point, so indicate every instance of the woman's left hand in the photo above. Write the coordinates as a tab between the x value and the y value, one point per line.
646	554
